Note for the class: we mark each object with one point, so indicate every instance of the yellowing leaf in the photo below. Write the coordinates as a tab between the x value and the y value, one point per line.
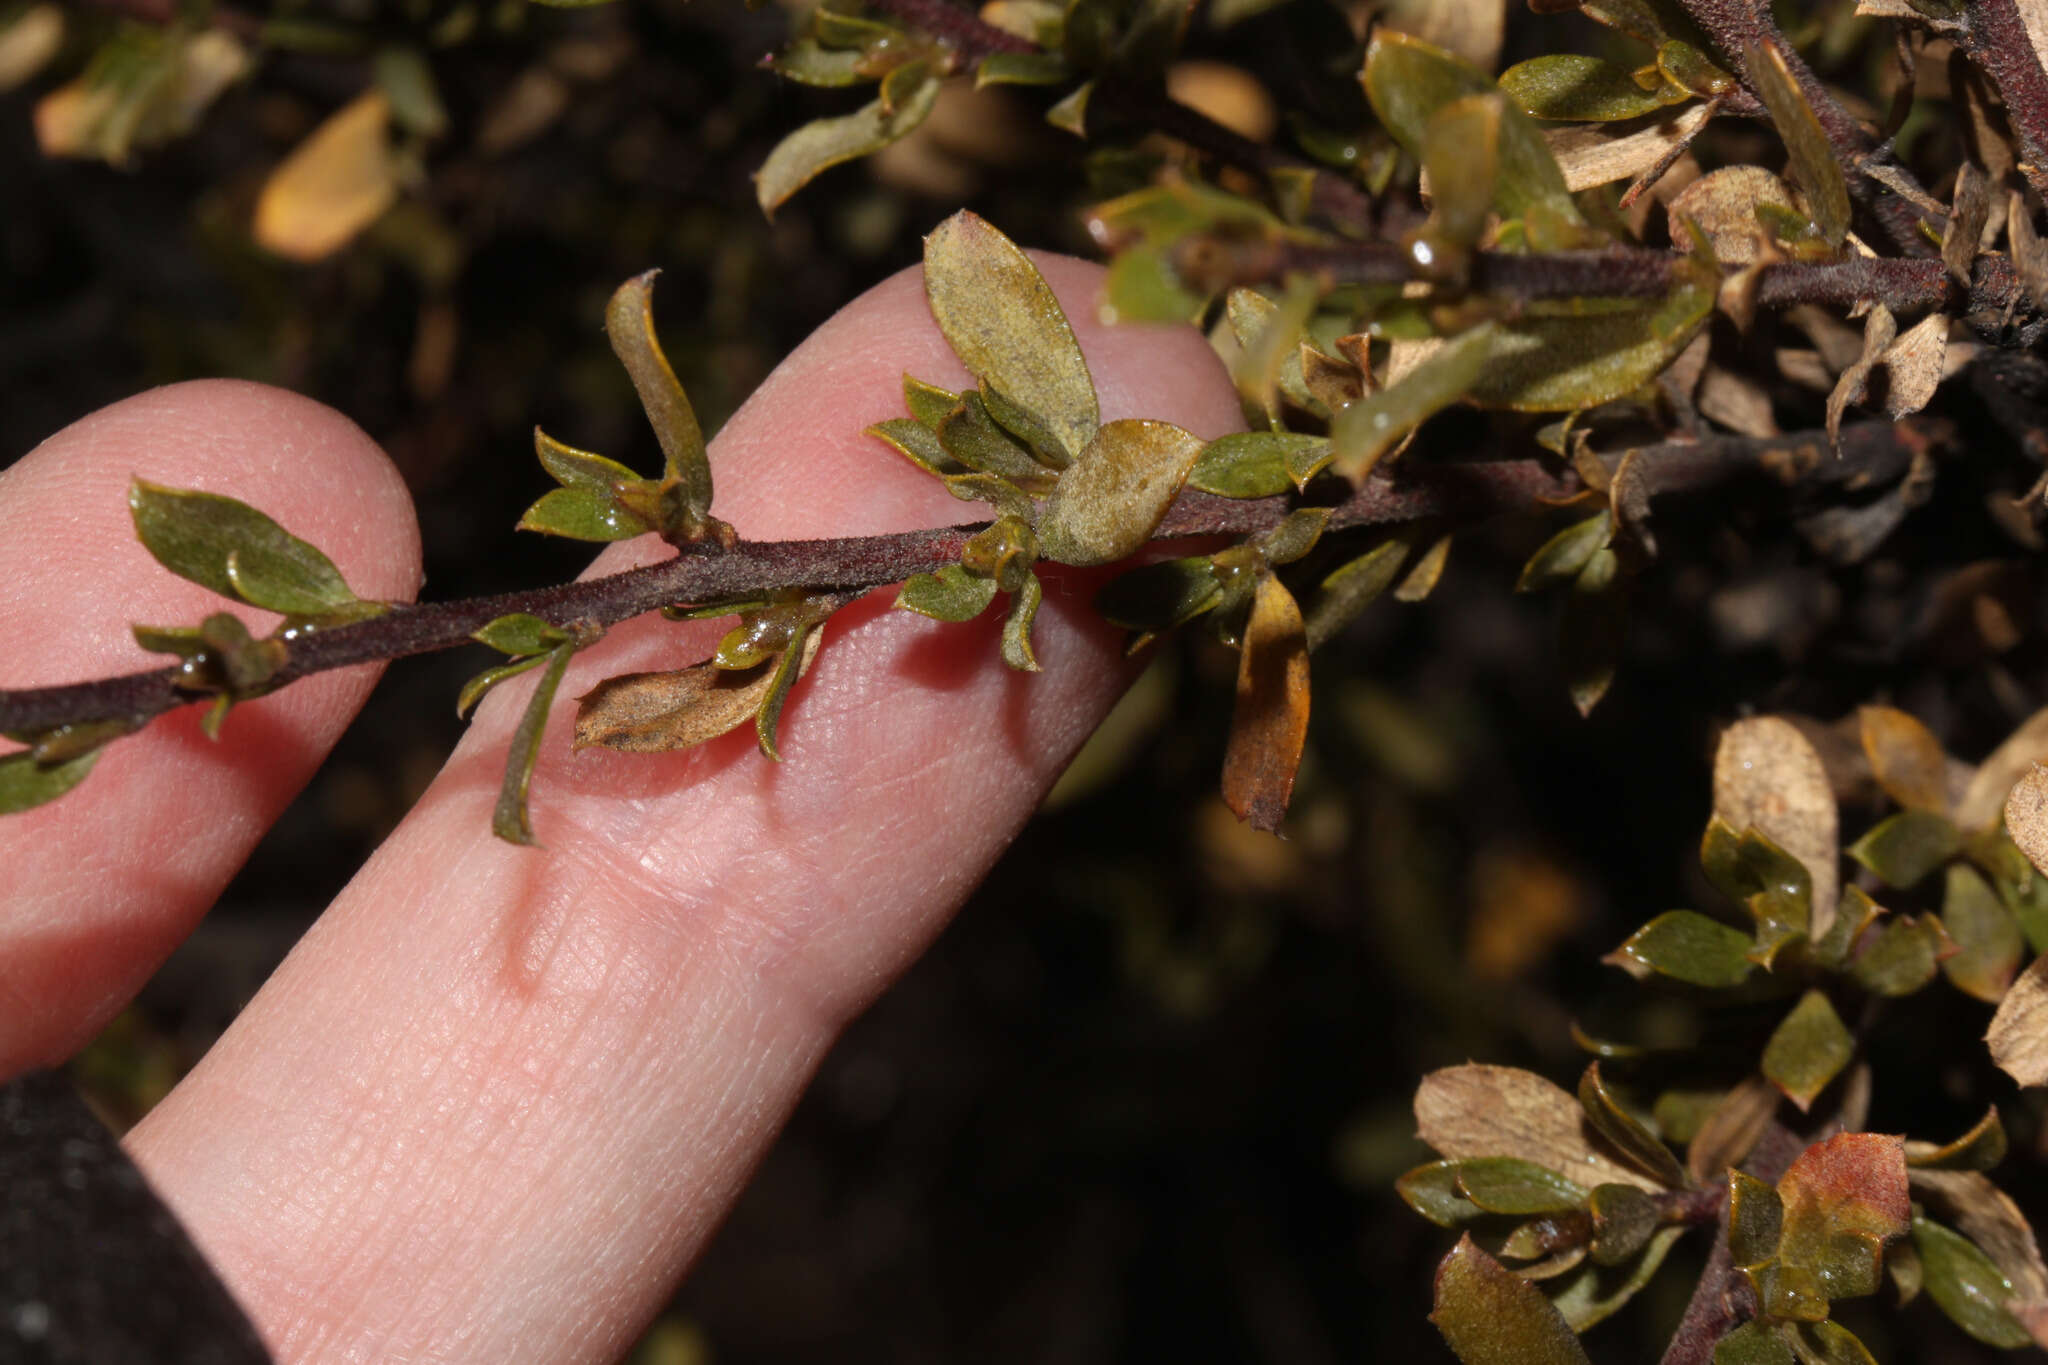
1270	722
686	486
1001	318
1905	758
333	185
1814	165
1985	798
28	41
824	143
1120	485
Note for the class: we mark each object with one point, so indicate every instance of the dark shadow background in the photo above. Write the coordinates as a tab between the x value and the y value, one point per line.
1146	1099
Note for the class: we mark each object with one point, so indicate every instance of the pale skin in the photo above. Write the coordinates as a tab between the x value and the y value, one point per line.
497	1099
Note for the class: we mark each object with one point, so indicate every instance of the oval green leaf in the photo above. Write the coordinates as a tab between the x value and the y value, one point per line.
1491	1316
1106	506
1253	464
951	594
1572	88
824	143
234	550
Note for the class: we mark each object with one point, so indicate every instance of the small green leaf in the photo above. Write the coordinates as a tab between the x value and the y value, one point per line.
583	513
1143	286
510	820
919	444
1017	625
1002	320
1901	955
1904	848
1294	537
1027	427
1354	587
928	403
1491	1316
1756	1220
573	468
951	594
824	143
1573	88
520	634
1808	1049
1461	155
686	480
1564	555
236	551
1591	630
1408	80
1624	1218
1987	937
1070	115
1755	1343
1689	947
1688	68
1254	464
1370	427
1160	596
971	435
1571	358
1596	1292
25	783
839	29
408	83
1432	1191
1507	1184
782	675
1626	1133
480	686
1120	486
1965	1284
809	62
1021	68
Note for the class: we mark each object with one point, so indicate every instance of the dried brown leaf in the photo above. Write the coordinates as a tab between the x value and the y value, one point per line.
2026	815
1984	799
1914	364
1736	402
1969	211
651	713
1732	1129
1767	777
333	185
1477	1111
2018	1036
1590	156
1270	722
1906	758
1879	328
1723	203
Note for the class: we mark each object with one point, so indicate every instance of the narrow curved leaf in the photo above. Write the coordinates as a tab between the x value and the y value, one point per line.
919	444
1366	430
1814	165
1625	1132
237	551
1001	318
1596	1292
1980	1149
1353	588
480	686
1121	484
824	143
511	821
629	323
573	468
1560	559
25	783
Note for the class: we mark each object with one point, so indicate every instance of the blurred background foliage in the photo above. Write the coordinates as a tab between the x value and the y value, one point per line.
1145	1101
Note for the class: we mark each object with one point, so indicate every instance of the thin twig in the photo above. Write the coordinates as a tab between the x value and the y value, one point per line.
1423	490
1996	39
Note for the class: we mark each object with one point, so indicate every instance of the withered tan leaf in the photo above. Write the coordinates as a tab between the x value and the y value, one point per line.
1913	365
1589	156
2018	1036
1723	203
1270	722
1736	402
1905	758
1879	328
1476	1110
652	713
1984	799
1003	322
2026	814
1767	777
1728	1133
1470	28
1120	485
1969	210
333	185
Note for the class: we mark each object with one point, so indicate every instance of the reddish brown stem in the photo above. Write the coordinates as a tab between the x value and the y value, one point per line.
1997	41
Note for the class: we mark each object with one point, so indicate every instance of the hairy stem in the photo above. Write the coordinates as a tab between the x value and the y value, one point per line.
1464	491
1996	39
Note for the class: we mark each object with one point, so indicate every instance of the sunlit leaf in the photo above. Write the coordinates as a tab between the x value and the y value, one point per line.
1814	165
511	821
1270	722
824	143
1490	1316
1119	487
1254	464
1002	320
1808	1049
1687	946
1905	758
237	551
1574	88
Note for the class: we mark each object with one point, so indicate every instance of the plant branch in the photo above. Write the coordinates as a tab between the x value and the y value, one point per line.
705	573
1737	26
1996	39
1904	286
